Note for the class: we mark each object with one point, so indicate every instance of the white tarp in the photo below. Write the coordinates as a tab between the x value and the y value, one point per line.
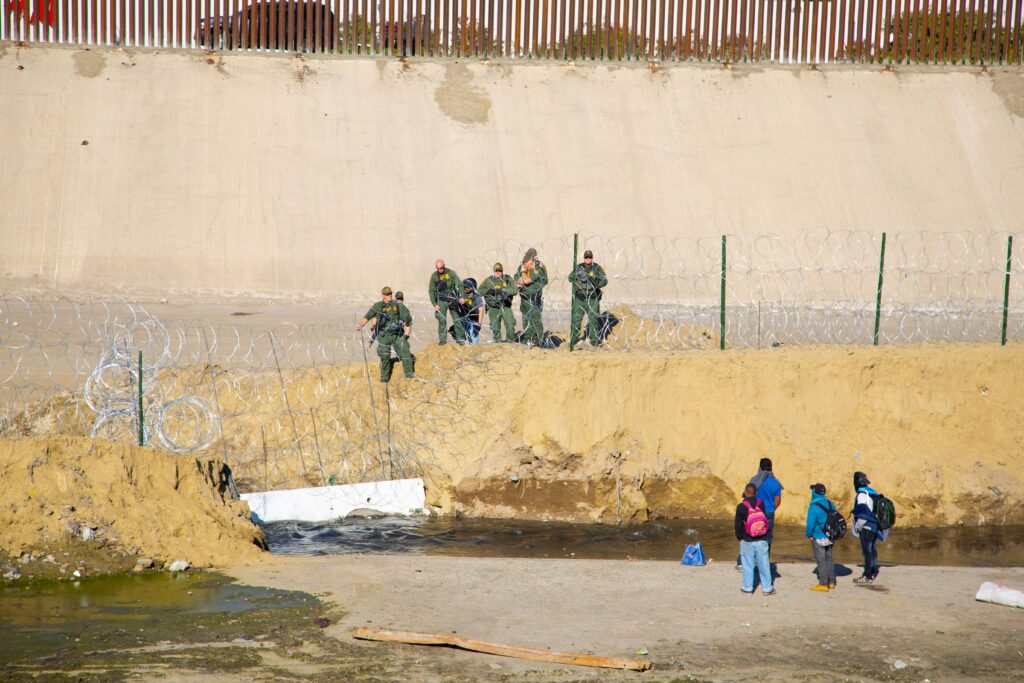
324	503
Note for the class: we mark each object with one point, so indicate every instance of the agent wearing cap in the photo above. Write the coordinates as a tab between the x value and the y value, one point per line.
821	544
393	326
588	279
531	279
445	289
497	291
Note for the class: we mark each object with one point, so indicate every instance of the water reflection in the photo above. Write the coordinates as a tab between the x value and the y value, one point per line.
995	546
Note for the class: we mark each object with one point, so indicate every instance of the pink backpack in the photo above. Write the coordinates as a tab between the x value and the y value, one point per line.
757	522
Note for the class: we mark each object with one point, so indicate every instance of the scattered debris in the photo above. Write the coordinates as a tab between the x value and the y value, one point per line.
322	622
899	664
178	566
579	659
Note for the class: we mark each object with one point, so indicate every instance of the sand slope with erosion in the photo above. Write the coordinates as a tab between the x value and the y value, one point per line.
140	501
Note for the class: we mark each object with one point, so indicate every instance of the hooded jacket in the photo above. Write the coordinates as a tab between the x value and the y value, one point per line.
863	510
816	517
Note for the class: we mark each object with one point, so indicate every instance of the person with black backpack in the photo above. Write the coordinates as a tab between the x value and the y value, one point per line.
825	526
873	514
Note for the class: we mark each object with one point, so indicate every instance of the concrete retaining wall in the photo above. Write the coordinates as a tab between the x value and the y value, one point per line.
254	174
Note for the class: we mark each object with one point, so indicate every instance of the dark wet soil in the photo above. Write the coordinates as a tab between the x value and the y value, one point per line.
994	546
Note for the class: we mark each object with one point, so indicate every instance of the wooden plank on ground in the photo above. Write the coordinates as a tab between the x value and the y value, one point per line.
578	659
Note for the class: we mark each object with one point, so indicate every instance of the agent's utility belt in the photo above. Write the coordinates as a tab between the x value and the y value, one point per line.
533	299
395	328
498	302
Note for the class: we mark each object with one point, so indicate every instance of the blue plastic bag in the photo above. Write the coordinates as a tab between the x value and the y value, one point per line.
694	556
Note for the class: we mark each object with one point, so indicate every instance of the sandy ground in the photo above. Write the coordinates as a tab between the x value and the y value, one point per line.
91	505
695	622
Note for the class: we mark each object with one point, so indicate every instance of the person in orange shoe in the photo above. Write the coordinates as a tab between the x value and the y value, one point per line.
820	531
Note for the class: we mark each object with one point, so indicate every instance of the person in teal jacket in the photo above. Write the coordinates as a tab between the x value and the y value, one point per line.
821	545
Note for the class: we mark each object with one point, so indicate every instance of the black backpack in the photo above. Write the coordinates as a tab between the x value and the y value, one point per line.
885	511
835	523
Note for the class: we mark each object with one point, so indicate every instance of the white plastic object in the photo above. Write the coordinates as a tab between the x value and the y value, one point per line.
324	503
998	594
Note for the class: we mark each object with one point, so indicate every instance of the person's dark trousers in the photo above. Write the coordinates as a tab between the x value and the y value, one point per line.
868	541
826	566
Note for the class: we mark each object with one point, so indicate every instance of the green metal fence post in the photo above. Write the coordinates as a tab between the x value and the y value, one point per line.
878	295
572	289
142	417
721	336
1006	286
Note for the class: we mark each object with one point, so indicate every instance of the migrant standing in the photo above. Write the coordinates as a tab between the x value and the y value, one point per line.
866	526
588	279
751	526
393	324
471	310
822	538
769	492
531	279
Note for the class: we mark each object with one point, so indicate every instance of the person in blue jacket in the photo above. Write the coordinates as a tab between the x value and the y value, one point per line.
769	492
865	526
821	545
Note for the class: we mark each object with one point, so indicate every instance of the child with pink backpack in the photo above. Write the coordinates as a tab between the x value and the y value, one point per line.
752	532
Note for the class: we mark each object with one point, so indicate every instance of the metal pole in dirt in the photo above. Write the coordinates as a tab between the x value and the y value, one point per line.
878	295
288	404
575	259
721	315
1006	286
142	417
316	442
216	400
387	402
373	403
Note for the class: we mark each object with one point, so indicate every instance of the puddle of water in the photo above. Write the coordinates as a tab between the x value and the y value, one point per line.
45	616
995	546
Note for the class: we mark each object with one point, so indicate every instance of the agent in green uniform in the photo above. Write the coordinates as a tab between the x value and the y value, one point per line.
531	278
588	279
497	291
445	291
394	323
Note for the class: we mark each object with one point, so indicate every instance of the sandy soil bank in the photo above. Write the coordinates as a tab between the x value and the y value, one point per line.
695	622
93	505
503	431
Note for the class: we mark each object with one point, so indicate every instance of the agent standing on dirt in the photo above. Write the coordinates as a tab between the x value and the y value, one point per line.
821	544
445	291
865	526
393	326
588	279
498	290
751	526
769	492
531	279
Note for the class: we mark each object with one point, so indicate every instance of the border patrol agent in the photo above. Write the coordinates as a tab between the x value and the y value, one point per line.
394	323
531	277
445	290
498	290
588	279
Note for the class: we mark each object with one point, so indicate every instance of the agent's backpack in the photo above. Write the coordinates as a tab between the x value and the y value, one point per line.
757	522
835	523
885	511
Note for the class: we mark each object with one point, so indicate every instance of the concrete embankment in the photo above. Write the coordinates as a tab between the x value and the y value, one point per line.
154	172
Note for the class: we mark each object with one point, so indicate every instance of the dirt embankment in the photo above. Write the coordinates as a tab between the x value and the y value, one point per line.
938	428
74	503
500	430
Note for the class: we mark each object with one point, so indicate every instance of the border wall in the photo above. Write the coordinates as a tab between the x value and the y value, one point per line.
147	173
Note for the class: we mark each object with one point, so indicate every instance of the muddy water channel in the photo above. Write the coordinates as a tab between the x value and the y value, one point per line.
63	621
993	546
